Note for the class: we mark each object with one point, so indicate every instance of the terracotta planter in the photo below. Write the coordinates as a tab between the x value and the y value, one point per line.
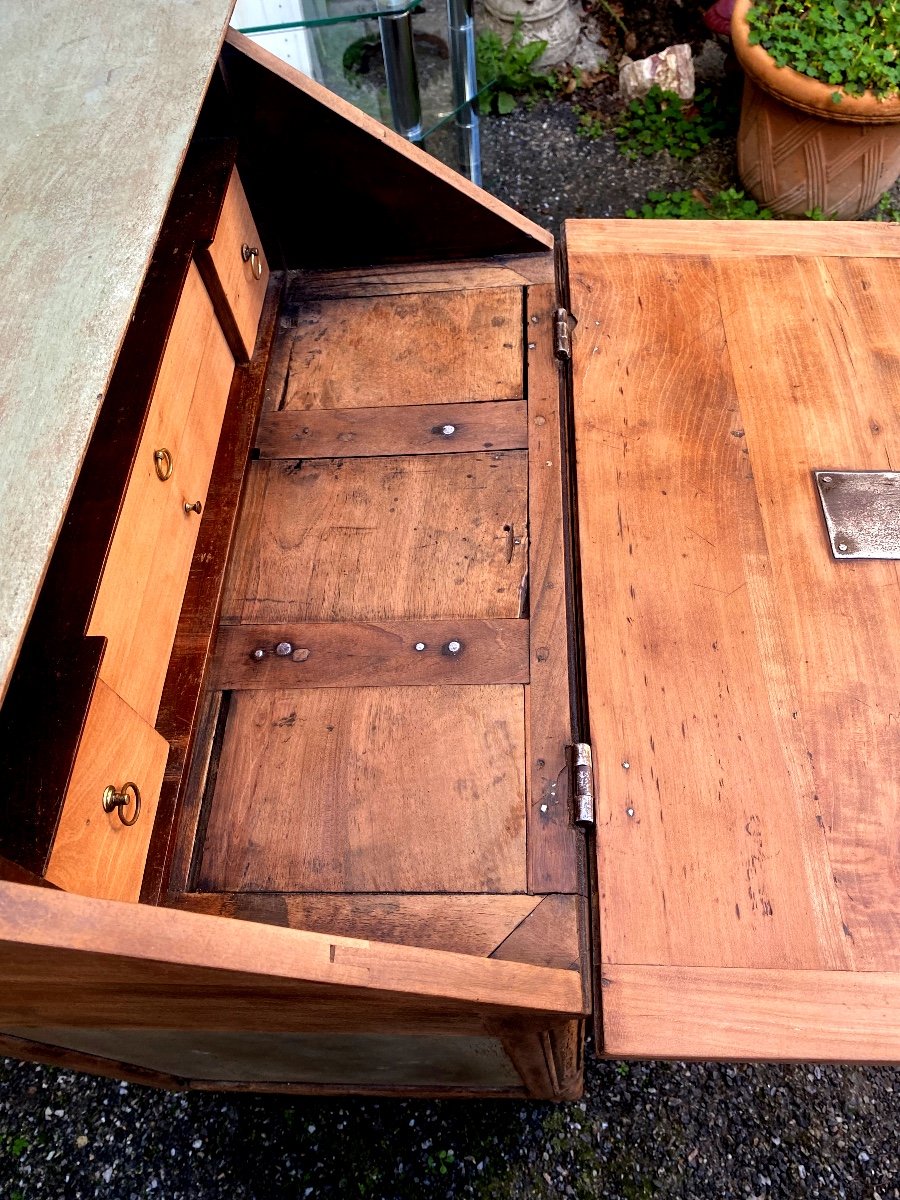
798	150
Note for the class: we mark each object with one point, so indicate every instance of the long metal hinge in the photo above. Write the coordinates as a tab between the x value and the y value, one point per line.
582	765
562	346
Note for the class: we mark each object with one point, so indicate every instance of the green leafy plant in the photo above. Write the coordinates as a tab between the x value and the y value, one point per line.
441	1160
853	45
817	214
887	209
590	124
506	69
663	121
726	205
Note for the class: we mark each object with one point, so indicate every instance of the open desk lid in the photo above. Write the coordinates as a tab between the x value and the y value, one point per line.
743	682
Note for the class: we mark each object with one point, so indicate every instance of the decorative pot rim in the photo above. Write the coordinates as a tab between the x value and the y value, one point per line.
802	91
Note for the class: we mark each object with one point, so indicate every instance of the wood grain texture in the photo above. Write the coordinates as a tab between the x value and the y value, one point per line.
551	935
77	961
509	271
381	539
392	350
93	853
732	239
377	199
342	790
465	924
357	654
746	1015
417	429
182	699
105	197
706	803
835	702
229	276
555	847
143	581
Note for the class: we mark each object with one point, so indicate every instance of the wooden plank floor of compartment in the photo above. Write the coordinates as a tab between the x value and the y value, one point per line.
377	764
742	683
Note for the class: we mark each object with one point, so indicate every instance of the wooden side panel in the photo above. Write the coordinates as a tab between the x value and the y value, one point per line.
551	935
343	1060
376	199
94	853
146	571
381	539
74	961
417	429
836	703
802	1016
455	346
348	790
706	802
470	924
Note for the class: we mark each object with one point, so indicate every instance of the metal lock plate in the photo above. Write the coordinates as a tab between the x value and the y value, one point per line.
862	512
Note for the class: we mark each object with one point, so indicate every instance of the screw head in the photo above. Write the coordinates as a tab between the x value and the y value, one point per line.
826	479
283	649
842	546
420	645
448	430
454	647
258	654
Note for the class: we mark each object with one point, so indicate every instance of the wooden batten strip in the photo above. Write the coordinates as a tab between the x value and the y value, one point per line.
374	654
730	239
370	432
512	271
750	1015
555	847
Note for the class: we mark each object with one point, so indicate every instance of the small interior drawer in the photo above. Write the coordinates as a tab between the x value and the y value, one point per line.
142	586
235	270
94	852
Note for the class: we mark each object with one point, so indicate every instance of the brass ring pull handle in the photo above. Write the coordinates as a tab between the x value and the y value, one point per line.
251	255
164	463
196	507
116	801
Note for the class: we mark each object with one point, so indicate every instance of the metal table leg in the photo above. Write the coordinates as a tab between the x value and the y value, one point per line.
402	75
461	28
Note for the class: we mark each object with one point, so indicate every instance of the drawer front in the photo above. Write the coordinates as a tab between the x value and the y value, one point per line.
143	581
94	853
238	266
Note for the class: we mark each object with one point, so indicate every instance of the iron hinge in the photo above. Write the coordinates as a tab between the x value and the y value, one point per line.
562	346
582	766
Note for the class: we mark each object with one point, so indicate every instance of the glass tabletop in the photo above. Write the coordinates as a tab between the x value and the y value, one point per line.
338	43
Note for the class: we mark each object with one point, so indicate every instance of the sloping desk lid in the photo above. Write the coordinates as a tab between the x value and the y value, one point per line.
100	101
743	684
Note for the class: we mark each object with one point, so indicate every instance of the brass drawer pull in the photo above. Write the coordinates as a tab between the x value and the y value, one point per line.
251	255
164	463
196	507
116	801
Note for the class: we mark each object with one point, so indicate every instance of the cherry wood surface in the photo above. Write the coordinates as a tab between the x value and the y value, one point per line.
376	539
742	684
396	350
338	789
93	853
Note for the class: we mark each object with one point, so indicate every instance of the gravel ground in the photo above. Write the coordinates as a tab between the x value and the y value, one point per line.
708	1132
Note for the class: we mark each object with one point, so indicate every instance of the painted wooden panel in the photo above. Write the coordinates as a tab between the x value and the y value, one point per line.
91	148
371	789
